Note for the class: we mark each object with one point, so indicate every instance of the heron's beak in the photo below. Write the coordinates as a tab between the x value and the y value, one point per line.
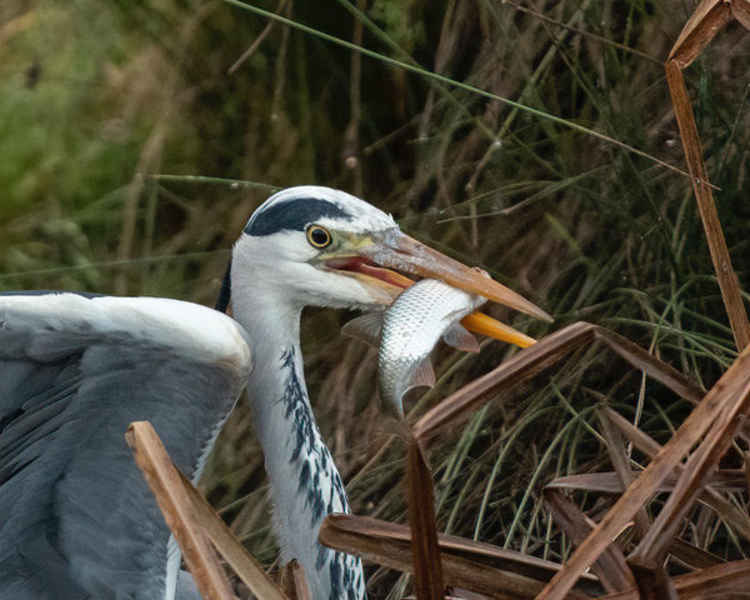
380	255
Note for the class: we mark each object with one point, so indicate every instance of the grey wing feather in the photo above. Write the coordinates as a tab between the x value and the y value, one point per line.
77	520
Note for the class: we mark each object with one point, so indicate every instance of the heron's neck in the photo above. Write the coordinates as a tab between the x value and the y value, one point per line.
305	484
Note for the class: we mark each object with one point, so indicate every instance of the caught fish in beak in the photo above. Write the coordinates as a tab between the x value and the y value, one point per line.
440	306
381	259
394	249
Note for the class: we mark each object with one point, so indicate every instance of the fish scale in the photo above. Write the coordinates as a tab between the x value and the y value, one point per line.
412	326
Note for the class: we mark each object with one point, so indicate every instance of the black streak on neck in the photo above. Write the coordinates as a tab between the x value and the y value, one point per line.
297	409
345	571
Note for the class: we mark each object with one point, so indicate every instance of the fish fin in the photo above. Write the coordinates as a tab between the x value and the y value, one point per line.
458	337
424	376
365	328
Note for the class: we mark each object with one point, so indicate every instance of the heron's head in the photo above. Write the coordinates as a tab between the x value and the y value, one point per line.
317	246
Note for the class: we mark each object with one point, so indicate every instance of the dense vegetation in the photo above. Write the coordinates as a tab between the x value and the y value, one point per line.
99	101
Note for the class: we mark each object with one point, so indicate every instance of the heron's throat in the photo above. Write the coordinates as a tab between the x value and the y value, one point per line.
305	484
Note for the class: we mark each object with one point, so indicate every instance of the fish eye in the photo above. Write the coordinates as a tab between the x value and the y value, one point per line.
318	236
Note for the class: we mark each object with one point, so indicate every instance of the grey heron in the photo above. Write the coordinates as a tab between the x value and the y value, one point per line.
76	519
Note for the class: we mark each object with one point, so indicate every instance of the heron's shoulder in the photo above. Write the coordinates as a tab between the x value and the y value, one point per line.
195	331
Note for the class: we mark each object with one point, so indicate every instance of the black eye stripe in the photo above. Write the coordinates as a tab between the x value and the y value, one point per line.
293	215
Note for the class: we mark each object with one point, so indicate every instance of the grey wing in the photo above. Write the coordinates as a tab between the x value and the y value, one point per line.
76	518
186	588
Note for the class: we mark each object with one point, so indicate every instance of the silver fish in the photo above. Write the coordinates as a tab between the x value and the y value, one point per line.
412	325
408	330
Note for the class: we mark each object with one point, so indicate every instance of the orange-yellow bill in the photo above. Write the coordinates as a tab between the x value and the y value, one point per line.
485	325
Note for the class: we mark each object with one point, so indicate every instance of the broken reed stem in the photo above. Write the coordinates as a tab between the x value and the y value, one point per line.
621	464
231	550
611	567
692	481
717	245
710	496
709	17
190	518
480	567
428	571
534	359
707	20
655	584
294	582
499	573
733	383
164	480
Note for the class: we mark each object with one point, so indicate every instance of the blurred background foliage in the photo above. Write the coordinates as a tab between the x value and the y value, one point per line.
99	101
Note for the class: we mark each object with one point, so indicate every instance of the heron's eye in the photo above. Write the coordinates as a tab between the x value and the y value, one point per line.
318	236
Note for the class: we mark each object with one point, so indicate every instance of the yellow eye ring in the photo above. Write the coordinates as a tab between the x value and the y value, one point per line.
318	236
